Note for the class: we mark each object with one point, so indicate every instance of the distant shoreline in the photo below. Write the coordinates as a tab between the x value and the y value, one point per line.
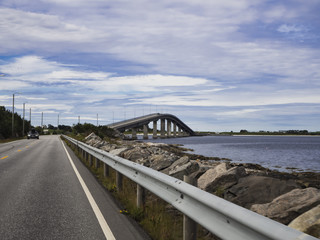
256	134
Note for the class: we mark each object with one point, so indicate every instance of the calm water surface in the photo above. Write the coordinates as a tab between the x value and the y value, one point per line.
276	152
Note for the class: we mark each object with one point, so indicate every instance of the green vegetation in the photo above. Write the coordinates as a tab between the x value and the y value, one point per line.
87	128
6	125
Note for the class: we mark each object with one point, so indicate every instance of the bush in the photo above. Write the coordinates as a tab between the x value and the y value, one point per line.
6	124
87	128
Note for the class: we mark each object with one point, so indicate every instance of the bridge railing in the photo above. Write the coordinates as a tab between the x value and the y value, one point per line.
224	219
132	119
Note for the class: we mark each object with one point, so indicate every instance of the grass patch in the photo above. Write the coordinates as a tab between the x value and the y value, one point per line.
11	139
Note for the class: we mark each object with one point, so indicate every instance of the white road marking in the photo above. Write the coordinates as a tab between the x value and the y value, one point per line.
103	224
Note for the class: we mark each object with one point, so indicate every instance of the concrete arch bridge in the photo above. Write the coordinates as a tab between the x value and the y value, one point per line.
170	126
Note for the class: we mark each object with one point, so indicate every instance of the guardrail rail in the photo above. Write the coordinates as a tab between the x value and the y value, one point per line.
224	219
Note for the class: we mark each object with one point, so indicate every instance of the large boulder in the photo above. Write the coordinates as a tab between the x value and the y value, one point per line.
220	177
108	147
309	222
135	154
181	161
288	206
185	169
257	190
159	162
92	136
99	144
118	151
210	175
176	164
92	139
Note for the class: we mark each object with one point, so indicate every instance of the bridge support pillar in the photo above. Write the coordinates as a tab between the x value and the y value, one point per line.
174	129
155	135
179	131
163	128
145	131
169	128
134	133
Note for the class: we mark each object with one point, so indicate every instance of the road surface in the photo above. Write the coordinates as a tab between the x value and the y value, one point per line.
43	195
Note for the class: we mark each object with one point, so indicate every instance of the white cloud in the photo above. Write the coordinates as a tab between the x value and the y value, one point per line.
237	98
13	85
53	107
178	53
284	28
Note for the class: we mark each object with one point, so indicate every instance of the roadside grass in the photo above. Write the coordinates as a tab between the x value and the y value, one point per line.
11	139
158	218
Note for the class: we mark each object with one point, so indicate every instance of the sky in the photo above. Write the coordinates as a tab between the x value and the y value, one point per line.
220	65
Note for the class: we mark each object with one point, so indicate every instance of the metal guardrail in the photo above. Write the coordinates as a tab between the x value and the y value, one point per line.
224	219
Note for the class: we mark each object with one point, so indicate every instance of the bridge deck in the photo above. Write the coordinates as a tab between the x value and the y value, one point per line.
144	120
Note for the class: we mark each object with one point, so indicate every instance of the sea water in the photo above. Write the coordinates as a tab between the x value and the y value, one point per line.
284	153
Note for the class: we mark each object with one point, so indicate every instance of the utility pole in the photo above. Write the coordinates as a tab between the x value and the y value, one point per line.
12	115
78	119
24	104
58	122
97	120
42	119
30	117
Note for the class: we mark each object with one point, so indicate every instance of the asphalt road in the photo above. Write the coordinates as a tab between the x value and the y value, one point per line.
41	196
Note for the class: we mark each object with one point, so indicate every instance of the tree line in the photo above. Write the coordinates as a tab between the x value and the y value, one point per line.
6	124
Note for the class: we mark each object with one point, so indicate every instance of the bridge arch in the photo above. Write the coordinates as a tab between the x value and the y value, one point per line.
170	126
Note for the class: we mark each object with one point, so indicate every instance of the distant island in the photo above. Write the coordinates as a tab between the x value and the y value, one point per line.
262	132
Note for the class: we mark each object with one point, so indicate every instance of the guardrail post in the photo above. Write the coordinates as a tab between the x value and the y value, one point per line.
140	196
119	181
189	226
105	170
97	163
90	160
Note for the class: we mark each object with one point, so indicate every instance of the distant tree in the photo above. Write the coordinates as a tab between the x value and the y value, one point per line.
39	129
6	124
243	131
65	128
87	128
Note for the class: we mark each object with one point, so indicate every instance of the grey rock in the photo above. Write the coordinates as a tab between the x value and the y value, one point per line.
210	175
257	190
220	177
118	151
308	222
135	154
288	206
181	161
159	162
186	169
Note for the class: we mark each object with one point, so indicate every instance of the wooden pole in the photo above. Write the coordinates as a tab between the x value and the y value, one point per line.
119	181
140	196
189	226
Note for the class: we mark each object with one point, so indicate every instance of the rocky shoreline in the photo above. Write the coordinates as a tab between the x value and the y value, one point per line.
290	198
